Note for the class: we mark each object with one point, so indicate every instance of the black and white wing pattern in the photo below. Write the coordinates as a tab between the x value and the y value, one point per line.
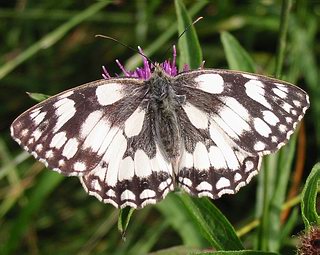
229	121
131	140
101	133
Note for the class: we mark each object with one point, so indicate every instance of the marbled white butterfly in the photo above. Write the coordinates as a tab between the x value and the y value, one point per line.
133	139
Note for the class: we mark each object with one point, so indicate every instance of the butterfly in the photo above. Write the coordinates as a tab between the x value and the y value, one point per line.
133	139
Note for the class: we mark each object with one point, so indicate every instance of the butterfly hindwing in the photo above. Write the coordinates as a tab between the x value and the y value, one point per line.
211	164
135	172
133	181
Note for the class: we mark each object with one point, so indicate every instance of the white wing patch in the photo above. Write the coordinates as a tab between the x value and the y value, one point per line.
126	169
223	144
255	90
142	164
93	139
222	183
270	118
217	160
70	149
58	140
200	157
211	83
238	108
234	120
280	93
134	123
197	117
90	122
113	157
37	120
261	127
110	93
65	110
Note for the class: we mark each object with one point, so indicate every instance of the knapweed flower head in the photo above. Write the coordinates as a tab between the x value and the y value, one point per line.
144	72
310	242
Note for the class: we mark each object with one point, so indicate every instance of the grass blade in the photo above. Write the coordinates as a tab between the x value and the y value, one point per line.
124	219
285	11
237	57
281	181
189	46
309	198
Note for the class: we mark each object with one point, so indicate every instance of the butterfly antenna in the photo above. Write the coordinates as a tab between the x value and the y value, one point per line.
127	46
183	32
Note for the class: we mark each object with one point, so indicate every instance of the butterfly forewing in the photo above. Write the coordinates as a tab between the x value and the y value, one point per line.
229	121
256	112
69	132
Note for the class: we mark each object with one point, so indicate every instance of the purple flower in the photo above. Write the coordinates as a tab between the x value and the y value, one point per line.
146	70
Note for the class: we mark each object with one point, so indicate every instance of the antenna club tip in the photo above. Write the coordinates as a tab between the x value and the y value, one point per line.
99	35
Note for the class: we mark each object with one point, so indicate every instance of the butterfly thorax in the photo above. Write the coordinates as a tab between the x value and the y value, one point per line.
162	109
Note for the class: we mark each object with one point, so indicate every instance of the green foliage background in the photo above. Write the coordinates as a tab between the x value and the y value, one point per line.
49	46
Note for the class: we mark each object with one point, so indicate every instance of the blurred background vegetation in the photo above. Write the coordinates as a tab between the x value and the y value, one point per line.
49	46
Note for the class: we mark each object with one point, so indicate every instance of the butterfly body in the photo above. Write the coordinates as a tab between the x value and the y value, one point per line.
162	108
131	141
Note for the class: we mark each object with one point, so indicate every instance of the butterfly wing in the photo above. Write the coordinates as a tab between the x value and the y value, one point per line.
230	119
101	132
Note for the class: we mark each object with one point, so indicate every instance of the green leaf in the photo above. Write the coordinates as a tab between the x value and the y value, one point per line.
181	221
124	219
189	46
309	198
237	57
243	252
38	96
176	250
212	223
